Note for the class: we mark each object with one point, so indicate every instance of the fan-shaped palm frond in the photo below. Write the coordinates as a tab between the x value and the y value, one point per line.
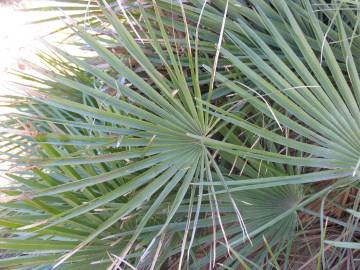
163	150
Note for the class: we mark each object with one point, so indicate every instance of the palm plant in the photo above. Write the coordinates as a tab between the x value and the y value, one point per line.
163	151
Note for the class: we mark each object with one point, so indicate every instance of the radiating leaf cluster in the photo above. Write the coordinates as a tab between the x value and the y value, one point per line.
200	135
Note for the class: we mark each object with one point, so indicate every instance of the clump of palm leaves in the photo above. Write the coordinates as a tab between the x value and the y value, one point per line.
200	134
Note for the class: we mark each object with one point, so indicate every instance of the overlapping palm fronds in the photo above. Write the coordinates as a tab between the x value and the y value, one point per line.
166	151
